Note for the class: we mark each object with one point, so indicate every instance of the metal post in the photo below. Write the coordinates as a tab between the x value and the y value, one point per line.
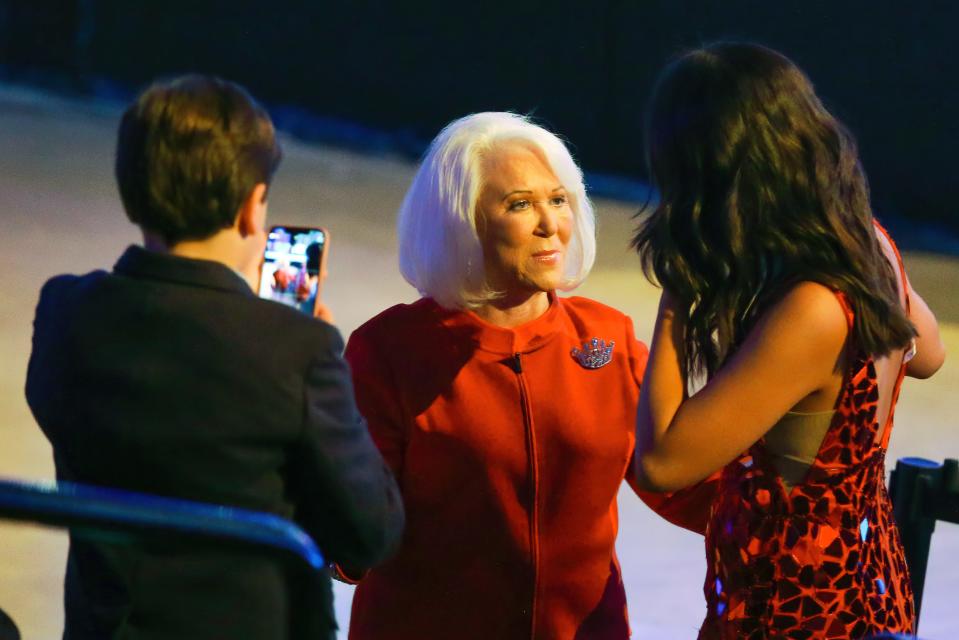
947	505
913	485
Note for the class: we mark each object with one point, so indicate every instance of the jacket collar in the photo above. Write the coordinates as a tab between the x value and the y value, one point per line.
142	263
521	339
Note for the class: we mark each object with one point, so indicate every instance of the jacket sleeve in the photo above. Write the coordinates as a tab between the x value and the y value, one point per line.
40	373
346	497
376	396
44	386
687	508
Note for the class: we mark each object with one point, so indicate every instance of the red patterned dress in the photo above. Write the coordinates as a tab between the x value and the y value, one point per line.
822	559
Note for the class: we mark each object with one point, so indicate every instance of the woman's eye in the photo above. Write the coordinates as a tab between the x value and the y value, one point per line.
519	205
558	201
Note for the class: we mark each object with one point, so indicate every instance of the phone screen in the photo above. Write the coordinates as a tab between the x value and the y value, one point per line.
292	264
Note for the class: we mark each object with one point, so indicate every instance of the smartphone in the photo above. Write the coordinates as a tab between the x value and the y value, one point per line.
293	264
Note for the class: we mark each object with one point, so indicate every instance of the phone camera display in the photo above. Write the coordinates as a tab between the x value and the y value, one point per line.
291	267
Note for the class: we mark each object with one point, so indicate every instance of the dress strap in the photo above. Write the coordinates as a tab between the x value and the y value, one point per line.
886	428
846	308
895	250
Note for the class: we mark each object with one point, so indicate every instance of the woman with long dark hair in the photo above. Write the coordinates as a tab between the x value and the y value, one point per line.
784	295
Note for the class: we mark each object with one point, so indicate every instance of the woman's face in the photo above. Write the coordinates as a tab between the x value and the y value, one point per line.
524	220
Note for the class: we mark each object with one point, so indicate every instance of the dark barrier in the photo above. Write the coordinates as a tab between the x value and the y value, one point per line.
584	68
922	492
166	525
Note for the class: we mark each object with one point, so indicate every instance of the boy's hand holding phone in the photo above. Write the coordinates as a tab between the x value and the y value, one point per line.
294	267
322	312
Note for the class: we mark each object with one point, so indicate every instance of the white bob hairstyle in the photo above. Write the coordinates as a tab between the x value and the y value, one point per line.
440	251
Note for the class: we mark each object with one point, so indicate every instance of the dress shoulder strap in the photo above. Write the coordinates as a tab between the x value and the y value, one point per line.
887	427
846	308
895	250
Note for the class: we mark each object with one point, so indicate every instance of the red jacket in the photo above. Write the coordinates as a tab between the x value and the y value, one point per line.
509	454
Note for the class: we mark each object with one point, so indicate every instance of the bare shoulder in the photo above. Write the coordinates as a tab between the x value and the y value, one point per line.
815	301
809	311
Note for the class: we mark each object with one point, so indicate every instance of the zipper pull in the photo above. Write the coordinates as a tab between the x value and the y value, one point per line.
516	364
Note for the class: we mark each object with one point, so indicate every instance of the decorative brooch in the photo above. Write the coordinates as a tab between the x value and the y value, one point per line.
594	354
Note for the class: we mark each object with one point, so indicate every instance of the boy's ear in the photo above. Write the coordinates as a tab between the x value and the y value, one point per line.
251	216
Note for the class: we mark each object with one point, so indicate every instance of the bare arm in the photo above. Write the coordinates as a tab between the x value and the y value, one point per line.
687	508
792	352
930	351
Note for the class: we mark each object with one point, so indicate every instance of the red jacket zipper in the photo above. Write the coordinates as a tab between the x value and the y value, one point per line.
517	366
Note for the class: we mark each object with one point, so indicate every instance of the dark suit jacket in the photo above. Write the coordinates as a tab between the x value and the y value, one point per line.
170	376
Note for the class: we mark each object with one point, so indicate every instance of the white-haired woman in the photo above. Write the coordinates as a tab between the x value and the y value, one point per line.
506	411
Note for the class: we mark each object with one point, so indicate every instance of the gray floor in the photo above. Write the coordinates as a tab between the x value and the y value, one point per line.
60	212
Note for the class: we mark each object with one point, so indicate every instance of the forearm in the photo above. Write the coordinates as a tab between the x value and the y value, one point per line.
356	506
930	350
664	385
663	389
364	519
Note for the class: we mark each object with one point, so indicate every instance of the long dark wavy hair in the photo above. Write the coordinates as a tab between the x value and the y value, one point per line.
760	188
